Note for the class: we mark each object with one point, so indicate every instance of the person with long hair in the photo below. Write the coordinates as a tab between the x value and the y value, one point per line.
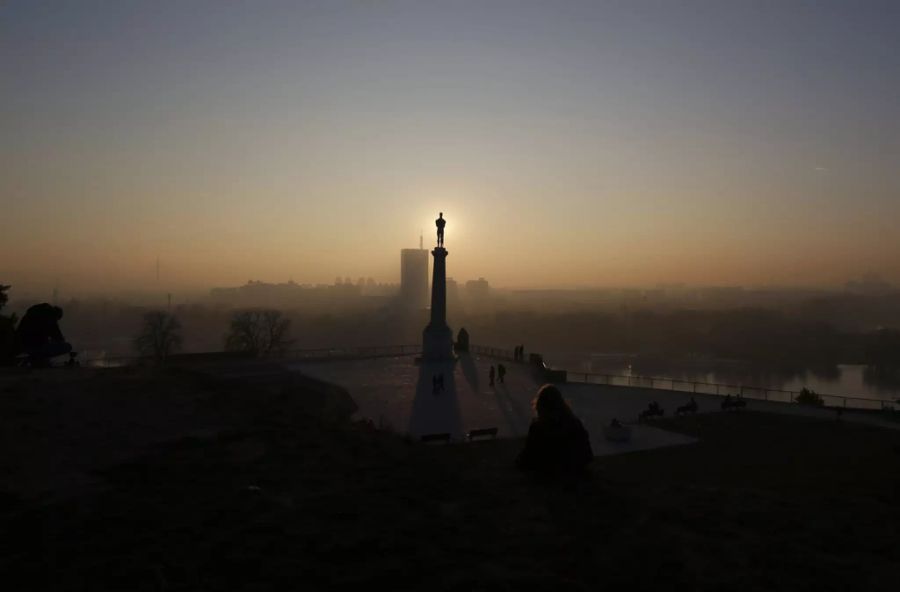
557	441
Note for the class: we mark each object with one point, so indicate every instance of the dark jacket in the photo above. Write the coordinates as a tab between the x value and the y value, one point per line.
38	326
556	446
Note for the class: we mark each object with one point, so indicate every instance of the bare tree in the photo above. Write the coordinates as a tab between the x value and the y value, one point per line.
261	331
4	297
160	336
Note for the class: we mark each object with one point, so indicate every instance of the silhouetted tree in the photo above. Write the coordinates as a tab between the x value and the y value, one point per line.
160	336
259	331
7	330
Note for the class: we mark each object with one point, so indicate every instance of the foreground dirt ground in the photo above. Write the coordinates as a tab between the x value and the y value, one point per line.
296	499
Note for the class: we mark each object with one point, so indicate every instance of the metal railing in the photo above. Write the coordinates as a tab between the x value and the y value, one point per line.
321	353
494	352
361	352
701	387
651	382
721	389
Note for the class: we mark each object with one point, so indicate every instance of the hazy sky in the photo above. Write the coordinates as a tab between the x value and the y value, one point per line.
567	143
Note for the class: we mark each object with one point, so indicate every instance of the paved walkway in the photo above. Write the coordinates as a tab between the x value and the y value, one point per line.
398	393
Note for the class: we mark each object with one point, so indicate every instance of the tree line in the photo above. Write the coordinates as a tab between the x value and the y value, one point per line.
260	332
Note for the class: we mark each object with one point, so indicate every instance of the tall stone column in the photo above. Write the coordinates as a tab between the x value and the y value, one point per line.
437	338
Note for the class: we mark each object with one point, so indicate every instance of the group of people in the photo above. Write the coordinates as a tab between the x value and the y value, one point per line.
499	373
519	353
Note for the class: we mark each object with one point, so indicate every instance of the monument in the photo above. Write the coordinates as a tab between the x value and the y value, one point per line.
437	338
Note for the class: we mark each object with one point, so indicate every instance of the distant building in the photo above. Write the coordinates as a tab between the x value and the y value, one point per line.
452	290
414	278
870	284
289	295
478	289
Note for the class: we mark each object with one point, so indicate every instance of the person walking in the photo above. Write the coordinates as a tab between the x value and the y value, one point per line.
491	375
501	372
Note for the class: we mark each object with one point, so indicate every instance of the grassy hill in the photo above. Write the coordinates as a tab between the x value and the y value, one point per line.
260	481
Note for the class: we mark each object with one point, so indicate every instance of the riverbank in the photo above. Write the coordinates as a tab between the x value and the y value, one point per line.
835	381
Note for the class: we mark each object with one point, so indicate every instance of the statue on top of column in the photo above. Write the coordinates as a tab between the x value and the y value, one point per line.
440	223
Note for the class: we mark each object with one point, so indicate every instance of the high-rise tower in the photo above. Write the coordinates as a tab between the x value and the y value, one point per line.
414	278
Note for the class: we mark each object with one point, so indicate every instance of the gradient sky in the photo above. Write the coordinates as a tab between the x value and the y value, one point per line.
568	143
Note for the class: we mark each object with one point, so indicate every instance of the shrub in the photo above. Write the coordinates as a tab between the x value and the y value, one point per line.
810	397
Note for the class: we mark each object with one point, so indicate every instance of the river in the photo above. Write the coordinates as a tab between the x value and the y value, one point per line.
848	380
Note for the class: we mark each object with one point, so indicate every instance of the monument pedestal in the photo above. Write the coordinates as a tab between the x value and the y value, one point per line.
437	338
437	344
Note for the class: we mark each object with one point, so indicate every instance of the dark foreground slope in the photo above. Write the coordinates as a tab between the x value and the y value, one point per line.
276	495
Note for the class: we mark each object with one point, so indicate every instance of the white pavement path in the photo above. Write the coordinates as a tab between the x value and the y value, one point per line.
398	393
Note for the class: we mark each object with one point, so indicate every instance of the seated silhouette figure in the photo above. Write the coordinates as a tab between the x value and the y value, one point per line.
557	442
440	223
38	335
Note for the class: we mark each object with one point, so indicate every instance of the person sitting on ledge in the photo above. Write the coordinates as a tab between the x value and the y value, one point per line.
557	442
38	334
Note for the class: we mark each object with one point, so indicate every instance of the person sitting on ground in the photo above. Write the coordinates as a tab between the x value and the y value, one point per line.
557	442
38	334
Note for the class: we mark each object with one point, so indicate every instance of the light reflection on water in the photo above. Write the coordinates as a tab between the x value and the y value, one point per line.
852	380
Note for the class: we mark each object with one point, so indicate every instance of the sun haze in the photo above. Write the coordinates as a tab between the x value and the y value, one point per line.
568	144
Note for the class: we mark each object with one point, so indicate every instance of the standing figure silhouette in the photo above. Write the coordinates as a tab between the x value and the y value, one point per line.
440	223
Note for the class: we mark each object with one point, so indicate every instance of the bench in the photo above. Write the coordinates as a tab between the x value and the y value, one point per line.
619	433
481	433
427	438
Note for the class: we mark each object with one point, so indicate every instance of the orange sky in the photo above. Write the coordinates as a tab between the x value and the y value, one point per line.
590	146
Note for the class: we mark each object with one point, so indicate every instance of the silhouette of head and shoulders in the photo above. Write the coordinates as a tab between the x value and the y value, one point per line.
557	441
40	325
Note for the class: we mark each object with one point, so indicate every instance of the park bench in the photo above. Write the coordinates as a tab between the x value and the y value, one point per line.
690	407
428	438
736	403
652	410
617	433
481	433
